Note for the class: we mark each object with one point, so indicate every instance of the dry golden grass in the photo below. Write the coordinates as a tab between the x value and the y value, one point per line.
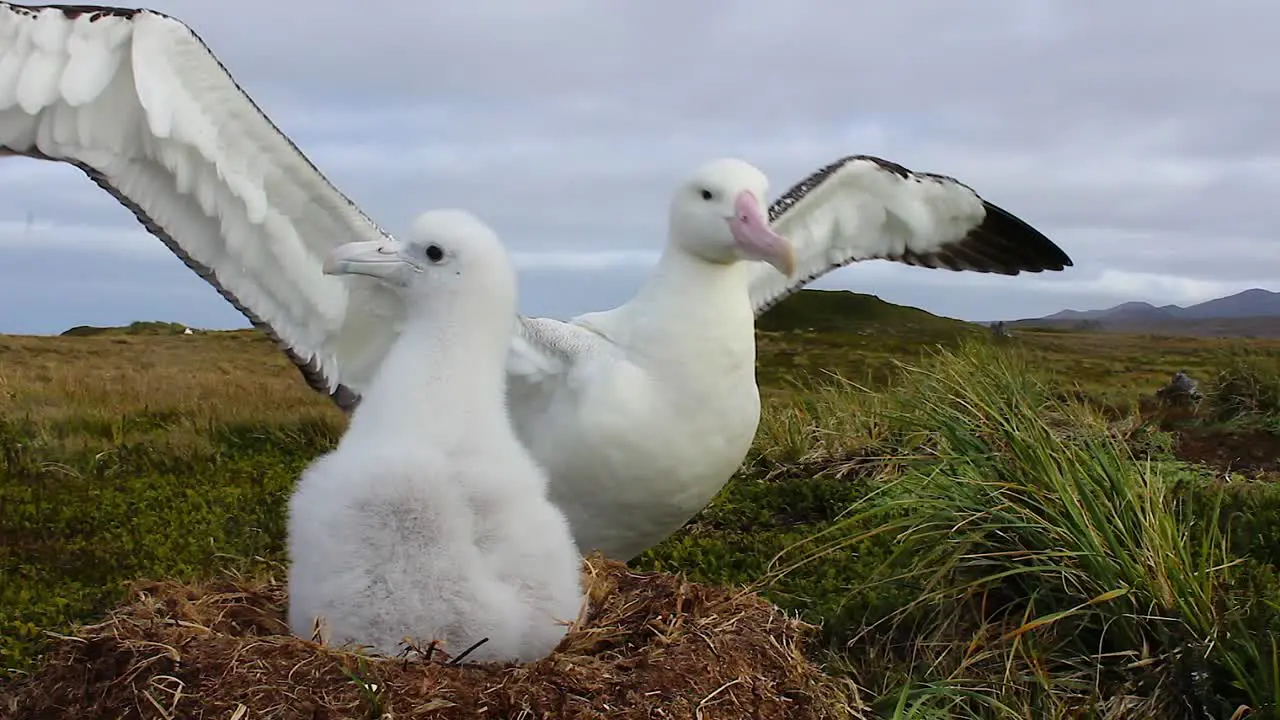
87	394
242	377
223	377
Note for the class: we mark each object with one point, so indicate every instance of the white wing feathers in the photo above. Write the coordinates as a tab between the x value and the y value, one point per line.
544	348
533	356
138	102
863	207
551	362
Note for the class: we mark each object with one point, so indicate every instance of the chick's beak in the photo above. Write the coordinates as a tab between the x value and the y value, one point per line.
375	258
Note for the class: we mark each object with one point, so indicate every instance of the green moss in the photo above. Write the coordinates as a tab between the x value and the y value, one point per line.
75	532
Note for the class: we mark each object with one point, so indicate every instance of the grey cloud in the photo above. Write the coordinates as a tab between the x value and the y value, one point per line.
564	293
96	286
1139	135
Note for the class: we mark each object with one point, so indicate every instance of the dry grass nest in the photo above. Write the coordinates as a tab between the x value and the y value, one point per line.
648	645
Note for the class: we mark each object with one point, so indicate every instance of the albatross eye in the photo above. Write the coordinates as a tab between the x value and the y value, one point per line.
434	253
706	194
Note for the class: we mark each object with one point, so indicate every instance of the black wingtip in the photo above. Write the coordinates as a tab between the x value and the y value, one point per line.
72	12
1003	243
1014	240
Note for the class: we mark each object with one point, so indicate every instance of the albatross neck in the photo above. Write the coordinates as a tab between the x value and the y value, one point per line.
691	318
697	289
446	370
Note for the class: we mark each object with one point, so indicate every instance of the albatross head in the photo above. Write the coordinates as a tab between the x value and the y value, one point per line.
447	253
718	215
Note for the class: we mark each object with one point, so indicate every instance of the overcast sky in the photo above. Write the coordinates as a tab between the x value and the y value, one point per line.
1141	136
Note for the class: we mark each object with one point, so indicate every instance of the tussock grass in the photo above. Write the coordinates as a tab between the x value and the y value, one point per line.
1050	571
1246	388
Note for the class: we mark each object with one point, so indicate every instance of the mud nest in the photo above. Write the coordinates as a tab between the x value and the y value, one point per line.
648	645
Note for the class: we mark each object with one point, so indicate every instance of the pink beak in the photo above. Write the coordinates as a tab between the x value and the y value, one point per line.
755	240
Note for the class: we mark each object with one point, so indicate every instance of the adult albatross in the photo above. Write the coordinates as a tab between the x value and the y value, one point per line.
140	104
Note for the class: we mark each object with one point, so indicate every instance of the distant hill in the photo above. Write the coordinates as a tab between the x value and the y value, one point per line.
1252	313
142	327
1250	303
846	311
1123	311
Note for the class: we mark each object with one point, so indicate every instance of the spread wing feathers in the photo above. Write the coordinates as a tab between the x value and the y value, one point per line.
548	363
544	349
136	100
862	207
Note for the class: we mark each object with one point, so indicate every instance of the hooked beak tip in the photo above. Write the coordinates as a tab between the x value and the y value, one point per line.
787	263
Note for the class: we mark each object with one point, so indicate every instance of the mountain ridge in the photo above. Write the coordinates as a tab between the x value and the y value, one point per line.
1254	302
1251	313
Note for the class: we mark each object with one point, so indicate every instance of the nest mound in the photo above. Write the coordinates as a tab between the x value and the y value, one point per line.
649	645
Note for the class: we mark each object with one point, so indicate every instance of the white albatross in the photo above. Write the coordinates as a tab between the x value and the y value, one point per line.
640	414
430	520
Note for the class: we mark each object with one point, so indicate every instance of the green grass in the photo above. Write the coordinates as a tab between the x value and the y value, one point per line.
982	530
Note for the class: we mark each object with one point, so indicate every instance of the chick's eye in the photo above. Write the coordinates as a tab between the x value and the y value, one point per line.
706	194
435	253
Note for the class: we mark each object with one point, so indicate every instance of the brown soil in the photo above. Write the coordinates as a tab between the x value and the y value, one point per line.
1222	448
1239	451
648	646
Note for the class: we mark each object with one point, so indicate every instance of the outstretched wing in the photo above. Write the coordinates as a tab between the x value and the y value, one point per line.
862	207
136	100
